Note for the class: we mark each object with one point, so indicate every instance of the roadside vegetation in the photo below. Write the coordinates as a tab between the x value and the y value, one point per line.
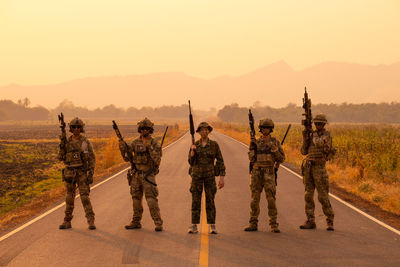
30	174
366	163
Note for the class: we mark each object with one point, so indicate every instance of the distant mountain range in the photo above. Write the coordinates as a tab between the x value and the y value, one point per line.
275	85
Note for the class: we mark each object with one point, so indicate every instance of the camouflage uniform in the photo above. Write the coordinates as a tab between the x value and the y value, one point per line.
269	154
318	149
147	157
203	172
80	162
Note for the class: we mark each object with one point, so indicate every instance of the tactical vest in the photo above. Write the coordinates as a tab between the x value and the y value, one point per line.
75	151
141	156
264	156
316	149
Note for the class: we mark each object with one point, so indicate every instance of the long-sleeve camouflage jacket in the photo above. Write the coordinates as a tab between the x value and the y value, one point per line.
207	161
146	155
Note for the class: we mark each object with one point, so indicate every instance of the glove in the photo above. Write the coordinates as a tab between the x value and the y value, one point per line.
129	176
274	148
90	178
253	144
305	134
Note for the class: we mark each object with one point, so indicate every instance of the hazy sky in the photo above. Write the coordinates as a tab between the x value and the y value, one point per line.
46	41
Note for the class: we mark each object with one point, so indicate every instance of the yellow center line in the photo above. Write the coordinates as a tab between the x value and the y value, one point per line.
203	260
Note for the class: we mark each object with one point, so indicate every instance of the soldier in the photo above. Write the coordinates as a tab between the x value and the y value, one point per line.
202	156
80	161
317	146
147	157
265	154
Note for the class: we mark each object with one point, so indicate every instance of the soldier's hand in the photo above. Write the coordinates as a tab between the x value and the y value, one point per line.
90	178
274	148
253	143
305	134
192	150
121	144
221	182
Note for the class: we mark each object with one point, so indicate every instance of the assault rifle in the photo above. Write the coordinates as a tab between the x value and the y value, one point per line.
129	155
283	141
307	121
191	123
63	137
253	145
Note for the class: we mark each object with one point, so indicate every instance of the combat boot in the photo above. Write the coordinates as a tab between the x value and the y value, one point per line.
213	229
193	229
133	225
65	225
251	228
91	224
329	226
158	228
308	225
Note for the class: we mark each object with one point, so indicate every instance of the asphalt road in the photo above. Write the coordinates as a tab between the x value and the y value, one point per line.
356	241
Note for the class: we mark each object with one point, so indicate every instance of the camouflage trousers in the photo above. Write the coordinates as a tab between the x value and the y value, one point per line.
210	189
139	186
315	176
77	178
263	179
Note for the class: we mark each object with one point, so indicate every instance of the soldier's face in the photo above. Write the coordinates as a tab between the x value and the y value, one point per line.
204	132
76	130
266	131
145	131
319	125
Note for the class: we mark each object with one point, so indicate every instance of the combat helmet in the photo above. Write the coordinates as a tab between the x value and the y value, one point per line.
76	121
320	118
204	124
145	123
266	123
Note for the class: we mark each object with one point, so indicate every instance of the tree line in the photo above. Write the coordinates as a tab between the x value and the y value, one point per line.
113	112
233	113
21	111
348	113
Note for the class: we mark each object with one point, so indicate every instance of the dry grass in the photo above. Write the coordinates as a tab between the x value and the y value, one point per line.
366	164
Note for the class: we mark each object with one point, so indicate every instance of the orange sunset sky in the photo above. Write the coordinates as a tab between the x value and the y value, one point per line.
48	41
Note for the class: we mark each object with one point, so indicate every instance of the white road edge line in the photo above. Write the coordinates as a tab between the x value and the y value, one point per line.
336	197
61	205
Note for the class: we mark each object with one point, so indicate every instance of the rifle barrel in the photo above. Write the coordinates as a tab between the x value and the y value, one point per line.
287	131
191	122
165	132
